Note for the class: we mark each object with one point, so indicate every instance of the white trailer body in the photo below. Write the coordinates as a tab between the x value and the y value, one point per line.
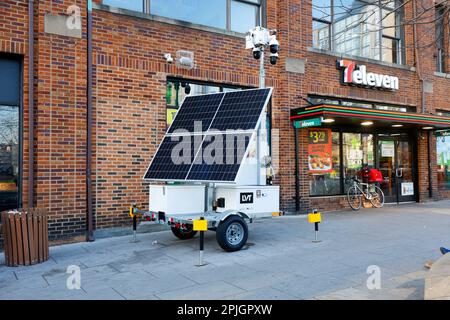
254	201
177	199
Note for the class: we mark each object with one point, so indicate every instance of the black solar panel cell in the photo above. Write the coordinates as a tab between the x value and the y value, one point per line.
174	158
220	157
196	113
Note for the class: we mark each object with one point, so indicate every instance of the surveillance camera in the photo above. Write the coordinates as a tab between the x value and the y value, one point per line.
168	57
257	53
187	88
273	58
274	45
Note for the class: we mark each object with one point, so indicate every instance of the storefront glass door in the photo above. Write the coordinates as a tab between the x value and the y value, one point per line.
395	161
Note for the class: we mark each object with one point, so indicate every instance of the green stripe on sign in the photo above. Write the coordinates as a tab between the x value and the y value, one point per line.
313	122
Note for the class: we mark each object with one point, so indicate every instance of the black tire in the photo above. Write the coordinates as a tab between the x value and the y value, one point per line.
354	198
184	235
232	233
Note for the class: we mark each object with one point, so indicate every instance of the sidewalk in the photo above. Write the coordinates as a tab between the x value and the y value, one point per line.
280	262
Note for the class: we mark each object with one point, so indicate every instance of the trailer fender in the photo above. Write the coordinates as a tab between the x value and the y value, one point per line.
228	213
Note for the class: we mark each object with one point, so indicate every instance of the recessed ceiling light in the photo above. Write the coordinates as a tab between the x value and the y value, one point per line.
367	123
397	125
427	128
329	120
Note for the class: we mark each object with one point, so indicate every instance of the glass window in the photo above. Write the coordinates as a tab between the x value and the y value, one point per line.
443	161
322	184
354	28
206	12
9	157
440	38
390	50
321	35
358	152
135	5
391	108
319	100
443	113
243	16
357	104
321	10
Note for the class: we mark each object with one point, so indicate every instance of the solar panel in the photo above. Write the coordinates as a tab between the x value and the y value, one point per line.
240	110
199	109
211	155
220	157
174	158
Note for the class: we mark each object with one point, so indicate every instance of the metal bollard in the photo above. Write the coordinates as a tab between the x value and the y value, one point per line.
316	234
202	243
134	240
315	218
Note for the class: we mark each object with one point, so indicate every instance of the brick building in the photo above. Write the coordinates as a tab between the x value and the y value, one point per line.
135	93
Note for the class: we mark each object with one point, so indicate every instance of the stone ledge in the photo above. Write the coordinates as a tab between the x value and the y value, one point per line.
437	281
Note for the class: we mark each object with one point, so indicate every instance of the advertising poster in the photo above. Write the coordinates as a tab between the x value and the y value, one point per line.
320	151
387	149
407	188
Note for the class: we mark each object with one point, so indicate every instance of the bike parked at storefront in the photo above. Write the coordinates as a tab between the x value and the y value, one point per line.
369	191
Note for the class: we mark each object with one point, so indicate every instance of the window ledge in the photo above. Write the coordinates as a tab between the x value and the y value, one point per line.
367	60
327	197
151	17
442	75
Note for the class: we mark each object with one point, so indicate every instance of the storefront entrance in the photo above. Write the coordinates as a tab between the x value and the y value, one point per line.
396	162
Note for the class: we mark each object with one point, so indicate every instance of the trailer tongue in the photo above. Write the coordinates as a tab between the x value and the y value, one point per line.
215	162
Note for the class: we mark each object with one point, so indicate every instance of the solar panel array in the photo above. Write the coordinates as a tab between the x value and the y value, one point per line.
209	137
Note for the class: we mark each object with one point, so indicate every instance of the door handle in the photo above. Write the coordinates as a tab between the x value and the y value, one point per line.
399	172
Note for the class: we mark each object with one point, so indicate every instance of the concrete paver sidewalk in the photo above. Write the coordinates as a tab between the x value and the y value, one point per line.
280	263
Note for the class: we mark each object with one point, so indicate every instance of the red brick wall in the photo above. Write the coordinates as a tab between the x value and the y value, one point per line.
129	101
61	124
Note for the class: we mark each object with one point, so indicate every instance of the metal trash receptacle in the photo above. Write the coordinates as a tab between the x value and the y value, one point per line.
25	234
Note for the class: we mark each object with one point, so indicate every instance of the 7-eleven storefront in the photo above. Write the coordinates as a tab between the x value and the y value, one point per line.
334	142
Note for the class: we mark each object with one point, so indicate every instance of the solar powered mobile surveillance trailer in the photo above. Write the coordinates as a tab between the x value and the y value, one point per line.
228	186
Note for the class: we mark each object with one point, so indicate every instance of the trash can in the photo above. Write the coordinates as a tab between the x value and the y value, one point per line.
25	234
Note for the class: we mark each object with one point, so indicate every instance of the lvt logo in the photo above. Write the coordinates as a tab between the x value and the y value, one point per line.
247	197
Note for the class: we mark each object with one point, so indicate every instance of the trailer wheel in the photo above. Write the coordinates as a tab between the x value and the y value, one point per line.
184	235
232	233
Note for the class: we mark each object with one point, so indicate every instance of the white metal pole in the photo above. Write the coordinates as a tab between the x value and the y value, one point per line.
262	85
262	71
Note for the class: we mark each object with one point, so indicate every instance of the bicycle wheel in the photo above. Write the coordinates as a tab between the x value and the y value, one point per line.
354	198
377	197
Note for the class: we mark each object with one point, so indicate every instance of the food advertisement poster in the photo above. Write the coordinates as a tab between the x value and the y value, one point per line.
320	151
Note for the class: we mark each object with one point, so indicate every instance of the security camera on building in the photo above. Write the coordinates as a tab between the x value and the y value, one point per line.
258	39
